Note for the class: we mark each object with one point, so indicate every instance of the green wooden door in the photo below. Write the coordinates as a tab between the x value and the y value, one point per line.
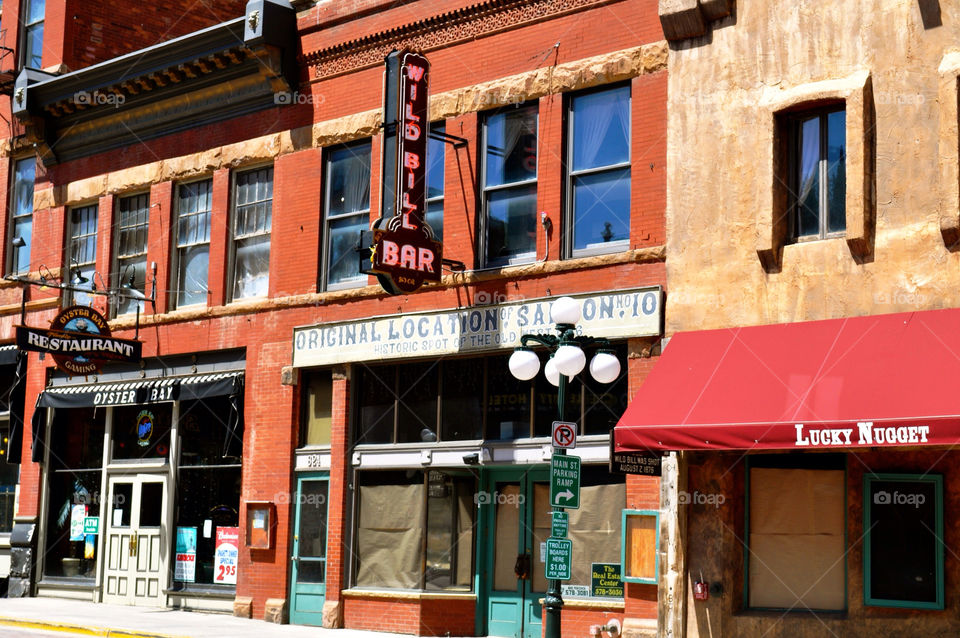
309	571
517	523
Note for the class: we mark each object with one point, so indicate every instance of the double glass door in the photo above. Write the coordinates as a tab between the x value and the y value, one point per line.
518	522
137	540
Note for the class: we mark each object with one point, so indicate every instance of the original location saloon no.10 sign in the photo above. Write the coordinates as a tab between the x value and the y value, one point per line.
405	251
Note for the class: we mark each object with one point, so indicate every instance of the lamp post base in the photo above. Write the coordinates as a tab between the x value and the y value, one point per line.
553	603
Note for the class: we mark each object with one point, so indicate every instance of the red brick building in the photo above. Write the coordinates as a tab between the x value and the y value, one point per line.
284	399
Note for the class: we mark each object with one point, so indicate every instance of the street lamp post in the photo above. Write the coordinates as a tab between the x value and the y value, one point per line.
566	360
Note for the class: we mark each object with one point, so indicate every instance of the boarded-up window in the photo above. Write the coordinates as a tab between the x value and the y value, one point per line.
640	546
392	539
317	408
389	536
796	538
595	529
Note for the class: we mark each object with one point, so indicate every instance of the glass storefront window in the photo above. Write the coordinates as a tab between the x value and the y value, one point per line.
208	481
141	432
76	461
399	403
9	476
401	514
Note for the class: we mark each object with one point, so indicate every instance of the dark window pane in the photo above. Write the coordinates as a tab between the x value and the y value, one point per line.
903	540
511	152
207	494
450	523
601	204
311	571
435	164
462	417
141	433
604	403
508	402
204	428
71	493
76	439
151	504
511	224
313	520
435	218
545	404
417	394
601	126
121	505
808	185
376	400
836	170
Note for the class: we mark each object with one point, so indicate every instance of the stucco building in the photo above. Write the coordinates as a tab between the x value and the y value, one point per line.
812	267
369	455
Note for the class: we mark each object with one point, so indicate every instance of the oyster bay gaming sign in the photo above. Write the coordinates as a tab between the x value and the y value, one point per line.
614	315
79	341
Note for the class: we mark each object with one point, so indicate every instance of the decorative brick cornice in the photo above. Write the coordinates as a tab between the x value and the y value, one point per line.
454	27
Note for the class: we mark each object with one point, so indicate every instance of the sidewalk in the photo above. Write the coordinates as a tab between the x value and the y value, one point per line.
98	619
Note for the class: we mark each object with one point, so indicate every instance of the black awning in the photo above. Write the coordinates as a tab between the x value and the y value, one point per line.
8	355
141	392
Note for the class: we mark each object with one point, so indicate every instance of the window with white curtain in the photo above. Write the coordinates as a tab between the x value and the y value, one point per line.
818	178
598	186
253	211
194	202
130	271
82	253
21	213
347	213
510	186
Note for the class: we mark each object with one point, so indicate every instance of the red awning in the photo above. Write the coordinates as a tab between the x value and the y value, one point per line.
880	381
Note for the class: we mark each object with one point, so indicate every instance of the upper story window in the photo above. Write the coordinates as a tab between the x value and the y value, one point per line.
82	252
347	213
598	187
194	202
818	178
510	186
21	214
436	157
33	33
131	263
253	211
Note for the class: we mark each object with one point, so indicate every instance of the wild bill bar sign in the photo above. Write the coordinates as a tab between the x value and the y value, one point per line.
404	252
79	341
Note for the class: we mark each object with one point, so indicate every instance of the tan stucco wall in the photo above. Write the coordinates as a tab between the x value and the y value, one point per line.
719	174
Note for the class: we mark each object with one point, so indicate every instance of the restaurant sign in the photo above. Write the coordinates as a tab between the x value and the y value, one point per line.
614	315
79	340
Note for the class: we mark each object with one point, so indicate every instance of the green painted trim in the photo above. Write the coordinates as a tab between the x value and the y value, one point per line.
937	481
324	475
623	547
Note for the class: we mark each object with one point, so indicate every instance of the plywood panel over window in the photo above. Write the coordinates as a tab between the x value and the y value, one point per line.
796	539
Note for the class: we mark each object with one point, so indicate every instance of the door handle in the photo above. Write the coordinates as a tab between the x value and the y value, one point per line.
522	567
132	547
